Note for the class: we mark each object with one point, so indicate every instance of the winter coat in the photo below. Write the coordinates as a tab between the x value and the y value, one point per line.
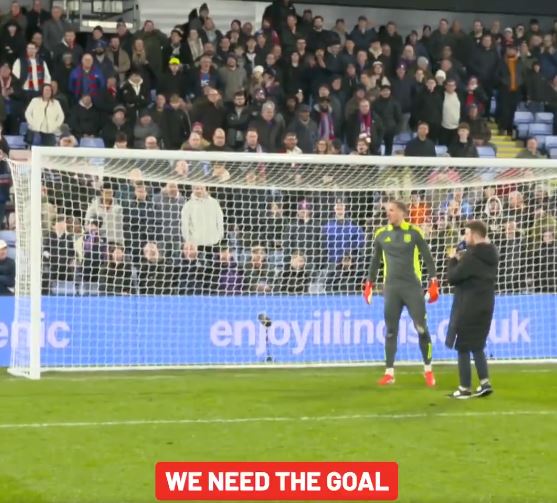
44	116
202	221
473	278
112	220
390	112
85	121
459	149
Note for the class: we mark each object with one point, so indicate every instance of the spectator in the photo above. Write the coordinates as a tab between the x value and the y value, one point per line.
219	142
421	145
304	235
324	117
252	142
512	258
135	95
402	90
154	41
537	86
7	271
479	129
486	65
204	76
510	89
202	220
44	115
233	77
106	209
139	221
295	278
176	48
237	119
190	272
32	71
544	261
210	112
227	279
419	211
117	125
119	58
195	45
96	36
173	81
290	143
86	80
531	151
305	128
85	120
362	35
68	45
140	63
54	29
59	259
116	274
103	63
463	146
429	108
256	276
440	38
12	42
145	127
5	177
93	252
195	142
391	114
156	273
474	95
367	124
493	218
269	128
344	278
450	118
341	235
62	72
125	37
36	17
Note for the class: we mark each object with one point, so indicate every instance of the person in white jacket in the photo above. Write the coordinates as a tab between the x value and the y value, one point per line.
44	115
202	219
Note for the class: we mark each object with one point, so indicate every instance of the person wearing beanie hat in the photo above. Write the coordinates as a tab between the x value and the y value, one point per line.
440	77
177	48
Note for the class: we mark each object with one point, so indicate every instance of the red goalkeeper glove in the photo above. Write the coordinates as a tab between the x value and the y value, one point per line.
368	291
432	294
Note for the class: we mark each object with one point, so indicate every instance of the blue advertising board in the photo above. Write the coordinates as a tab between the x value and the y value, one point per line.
142	330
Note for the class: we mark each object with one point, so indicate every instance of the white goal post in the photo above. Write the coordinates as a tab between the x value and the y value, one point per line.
142	259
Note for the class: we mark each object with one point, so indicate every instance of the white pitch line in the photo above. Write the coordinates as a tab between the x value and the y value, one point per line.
277	419
247	375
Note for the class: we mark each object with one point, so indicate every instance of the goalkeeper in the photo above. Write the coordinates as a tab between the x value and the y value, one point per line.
400	245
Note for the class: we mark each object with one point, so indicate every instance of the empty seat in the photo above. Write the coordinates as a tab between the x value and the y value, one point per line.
523	117
553	153
92	142
522	131
544	117
541	141
538	129
403	138
486	151
441	150
16	142
550	142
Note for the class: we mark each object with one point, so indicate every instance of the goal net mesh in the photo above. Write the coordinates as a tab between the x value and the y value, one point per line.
209	259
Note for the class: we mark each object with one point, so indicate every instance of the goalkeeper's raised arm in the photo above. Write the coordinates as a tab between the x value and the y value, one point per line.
399	245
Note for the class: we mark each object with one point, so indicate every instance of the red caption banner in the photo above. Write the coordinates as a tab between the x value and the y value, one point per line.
252	481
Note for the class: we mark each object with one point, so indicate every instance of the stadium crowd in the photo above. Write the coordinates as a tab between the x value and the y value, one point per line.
295	84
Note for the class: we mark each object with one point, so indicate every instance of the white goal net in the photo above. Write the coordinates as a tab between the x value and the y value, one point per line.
148	259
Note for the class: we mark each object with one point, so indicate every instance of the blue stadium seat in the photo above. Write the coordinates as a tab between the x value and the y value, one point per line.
544	117
441	150
397	147
16	142
486	151
92	142
522	131
550	142
553	153
522	107
523	117
537	129
403	138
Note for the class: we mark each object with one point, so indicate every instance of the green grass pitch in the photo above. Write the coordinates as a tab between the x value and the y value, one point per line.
84	438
